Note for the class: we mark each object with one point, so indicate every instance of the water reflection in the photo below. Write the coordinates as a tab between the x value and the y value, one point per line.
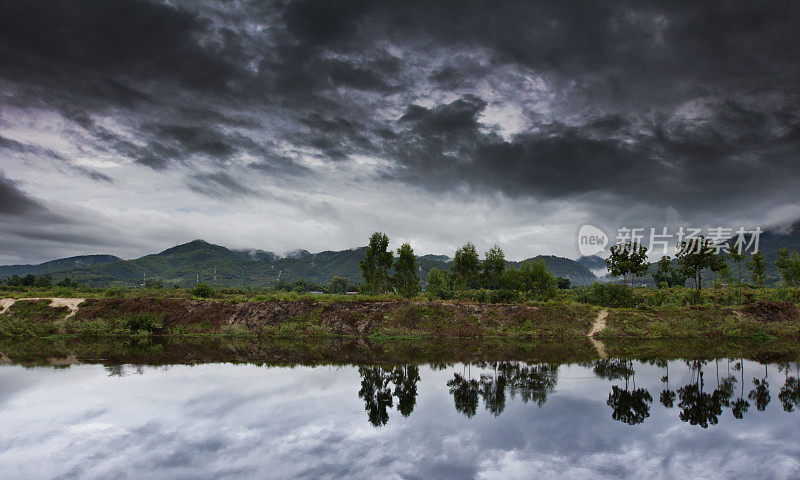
609	417
494	383
377	393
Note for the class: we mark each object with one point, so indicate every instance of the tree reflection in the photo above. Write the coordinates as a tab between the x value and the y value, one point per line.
493	392
667	397
532	383
760	394
697	406
377	393
405	388
740	406
628	406
613	369
790	394
465	394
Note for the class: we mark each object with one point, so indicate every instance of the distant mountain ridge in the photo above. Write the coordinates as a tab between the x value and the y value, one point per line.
198	260
57	265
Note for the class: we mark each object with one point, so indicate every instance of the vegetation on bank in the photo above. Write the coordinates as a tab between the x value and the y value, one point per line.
529	302
144	317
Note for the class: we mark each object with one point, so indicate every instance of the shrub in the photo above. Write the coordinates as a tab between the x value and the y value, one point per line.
503	296
143	322
607	295
114	292
203	291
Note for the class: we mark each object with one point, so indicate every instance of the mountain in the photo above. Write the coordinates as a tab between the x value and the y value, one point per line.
57	265
198	260
593	262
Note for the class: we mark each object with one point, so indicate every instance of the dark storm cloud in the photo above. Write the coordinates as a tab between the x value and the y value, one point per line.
671	103
13	201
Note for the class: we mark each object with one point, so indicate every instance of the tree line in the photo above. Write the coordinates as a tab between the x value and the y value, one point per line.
468	272
42	281
697	256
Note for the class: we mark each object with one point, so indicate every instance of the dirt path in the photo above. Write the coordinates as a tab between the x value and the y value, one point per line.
5	303
597	327
71	303
599	323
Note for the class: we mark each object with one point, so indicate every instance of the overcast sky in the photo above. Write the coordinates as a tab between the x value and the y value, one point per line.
130	126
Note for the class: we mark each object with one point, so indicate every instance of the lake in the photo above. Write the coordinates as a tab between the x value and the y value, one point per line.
605	418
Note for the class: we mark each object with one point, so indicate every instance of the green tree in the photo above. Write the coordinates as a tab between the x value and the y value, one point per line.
758	267
694	256
533	278
44	281
788	264
338	285
493	266
376	264
737	256
405	278
667	274
438	285
628	258
465	266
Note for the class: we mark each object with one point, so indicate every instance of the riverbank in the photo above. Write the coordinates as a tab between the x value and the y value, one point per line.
378	320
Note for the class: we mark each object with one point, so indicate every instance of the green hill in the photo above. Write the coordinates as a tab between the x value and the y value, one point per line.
199	260
56	265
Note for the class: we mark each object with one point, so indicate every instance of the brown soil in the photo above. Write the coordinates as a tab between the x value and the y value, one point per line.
349	318
772	311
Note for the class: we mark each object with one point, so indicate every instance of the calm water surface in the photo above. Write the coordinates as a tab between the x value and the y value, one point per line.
605	419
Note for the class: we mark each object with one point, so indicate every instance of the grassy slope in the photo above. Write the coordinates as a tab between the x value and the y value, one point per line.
383	320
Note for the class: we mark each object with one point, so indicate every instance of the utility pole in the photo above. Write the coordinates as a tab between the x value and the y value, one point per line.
215	277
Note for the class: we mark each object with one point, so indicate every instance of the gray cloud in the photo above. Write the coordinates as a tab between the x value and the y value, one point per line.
668	106
13	201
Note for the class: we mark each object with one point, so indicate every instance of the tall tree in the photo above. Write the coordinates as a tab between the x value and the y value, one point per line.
438	285
465	266
493	267
694	256
405	278
758	268
376	264
737	256
788	264
628	258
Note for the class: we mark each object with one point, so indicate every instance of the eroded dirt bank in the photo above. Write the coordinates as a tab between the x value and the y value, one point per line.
352	318
391	319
